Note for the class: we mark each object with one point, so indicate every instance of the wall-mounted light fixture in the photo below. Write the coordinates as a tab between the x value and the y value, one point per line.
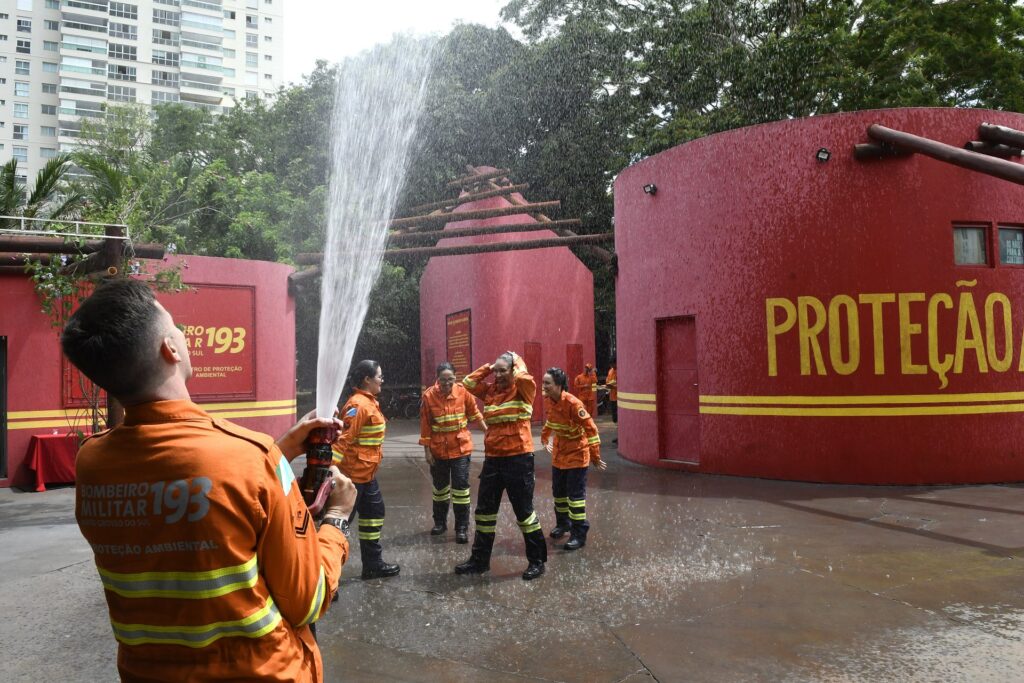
651	189
823	155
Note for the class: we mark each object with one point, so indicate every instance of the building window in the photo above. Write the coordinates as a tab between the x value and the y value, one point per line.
116	51
3	37
47	152
21	67
166	17
268	58
267	77
970	245
268	39
268	20
4	15
120	93
161	97
251	78
124	10
252	40
25	25
121	72
228	33
50	46
24	47
50	67
165	78
3	81
21	110
25	5
48	131
230	54
52	4
21	131
251	21
20	153
251	59
251	94
162	37
1011	246
229	14
51	25
127	31
21	88
49	88
165	58
50	109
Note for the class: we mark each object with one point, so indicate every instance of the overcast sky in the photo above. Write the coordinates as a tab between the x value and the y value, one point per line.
332	29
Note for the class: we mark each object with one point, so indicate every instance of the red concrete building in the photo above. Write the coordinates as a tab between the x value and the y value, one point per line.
240	324
539	303
795	315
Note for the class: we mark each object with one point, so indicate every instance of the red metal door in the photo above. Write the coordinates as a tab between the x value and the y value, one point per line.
532	356
573	362
678	393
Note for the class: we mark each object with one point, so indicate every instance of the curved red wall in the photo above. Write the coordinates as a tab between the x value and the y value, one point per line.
747	227
251	380
540	296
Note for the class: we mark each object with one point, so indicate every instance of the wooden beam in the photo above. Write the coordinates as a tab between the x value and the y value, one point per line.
1011	137
57	245
993	149
401	238
444	218
398	254
474	178
993	166
20	260
467	198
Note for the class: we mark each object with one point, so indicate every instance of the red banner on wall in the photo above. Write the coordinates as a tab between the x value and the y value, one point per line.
459	341
219	322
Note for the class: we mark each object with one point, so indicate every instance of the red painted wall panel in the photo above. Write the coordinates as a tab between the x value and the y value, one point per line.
543	295
34	358
747	223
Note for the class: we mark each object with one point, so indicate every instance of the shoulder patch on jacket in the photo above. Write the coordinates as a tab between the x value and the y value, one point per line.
264	441
582	413
351	412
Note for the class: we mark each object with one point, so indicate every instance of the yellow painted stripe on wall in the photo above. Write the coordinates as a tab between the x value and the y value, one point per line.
853	411
66	419
865	400
37	414
636	397
50	424
627	405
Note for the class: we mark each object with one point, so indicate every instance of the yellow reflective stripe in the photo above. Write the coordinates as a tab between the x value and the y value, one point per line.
468	383
186	585
577	503
372	429
256	625
594	440
577	516
496	419
370	442
530	524
337	457
486	518
454	417
449	429
318	600
369	521
369	535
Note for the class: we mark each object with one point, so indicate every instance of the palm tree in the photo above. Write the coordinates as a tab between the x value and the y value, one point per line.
50	196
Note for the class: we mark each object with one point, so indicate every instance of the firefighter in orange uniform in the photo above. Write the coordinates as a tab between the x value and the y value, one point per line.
508	462
445	414
357	453
210	562
586	388
575	446
612	382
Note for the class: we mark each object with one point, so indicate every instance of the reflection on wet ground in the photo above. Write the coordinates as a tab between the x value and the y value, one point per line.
684	578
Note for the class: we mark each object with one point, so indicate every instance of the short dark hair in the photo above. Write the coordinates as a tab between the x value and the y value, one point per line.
441	367
559	378
362	371
507	357
111	336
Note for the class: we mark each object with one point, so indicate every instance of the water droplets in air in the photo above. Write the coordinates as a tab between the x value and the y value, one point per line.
377	103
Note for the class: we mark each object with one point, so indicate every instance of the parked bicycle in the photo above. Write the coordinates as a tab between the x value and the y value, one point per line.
401	402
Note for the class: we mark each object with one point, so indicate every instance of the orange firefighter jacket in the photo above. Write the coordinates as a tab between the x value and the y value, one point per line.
210	562
507	411
444	421
358	448
612	382
586	385
576	436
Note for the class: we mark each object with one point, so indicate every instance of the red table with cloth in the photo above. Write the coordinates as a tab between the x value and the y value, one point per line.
51	457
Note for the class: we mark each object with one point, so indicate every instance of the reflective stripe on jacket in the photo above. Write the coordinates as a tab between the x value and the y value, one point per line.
612	382
358	448
210	562
575	434
507	411
444	421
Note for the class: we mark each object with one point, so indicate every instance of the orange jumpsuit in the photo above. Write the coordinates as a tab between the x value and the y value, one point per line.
612	382
507	411
357	453
586	389
576	442
444	422
211	564
358	448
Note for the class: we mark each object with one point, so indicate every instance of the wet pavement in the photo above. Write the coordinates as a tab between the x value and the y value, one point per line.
684	578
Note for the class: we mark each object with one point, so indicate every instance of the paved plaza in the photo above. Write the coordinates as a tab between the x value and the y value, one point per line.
684	578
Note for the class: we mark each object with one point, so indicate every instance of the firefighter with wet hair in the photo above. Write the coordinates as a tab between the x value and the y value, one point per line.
571	437
211	564
445	413
508	462
357	453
